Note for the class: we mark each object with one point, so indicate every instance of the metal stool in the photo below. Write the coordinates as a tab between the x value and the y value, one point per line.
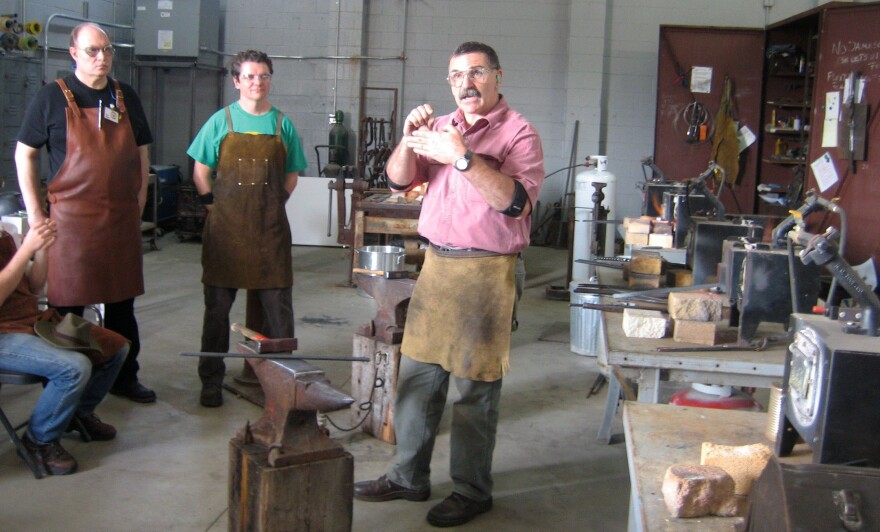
14	377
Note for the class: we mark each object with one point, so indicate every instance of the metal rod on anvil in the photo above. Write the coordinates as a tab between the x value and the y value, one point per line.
248	333
274	356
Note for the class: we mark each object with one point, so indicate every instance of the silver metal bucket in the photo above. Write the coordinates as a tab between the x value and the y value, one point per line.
381	258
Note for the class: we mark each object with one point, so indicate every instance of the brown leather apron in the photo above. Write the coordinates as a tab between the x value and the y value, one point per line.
459	315
98	256
246	241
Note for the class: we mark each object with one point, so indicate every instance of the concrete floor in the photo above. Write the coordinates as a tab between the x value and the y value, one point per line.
168	467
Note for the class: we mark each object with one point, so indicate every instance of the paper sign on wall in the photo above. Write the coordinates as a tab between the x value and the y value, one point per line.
825	172
701	79
832	116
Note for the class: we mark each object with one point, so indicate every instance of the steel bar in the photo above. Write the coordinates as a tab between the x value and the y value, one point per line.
275	356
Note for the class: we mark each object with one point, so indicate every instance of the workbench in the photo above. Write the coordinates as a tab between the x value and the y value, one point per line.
637	359
658	436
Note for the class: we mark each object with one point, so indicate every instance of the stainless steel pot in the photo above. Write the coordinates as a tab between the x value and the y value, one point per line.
381	258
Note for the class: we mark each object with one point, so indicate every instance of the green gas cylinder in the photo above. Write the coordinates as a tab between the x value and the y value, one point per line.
338	140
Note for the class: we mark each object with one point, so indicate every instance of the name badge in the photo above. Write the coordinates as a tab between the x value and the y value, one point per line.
111	115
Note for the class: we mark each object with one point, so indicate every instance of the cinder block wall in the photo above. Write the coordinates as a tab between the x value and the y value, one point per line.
591	61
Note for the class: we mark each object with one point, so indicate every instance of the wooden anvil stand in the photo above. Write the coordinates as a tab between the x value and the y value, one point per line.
375	383
285	473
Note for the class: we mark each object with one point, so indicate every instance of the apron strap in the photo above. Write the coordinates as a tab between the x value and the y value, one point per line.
120	100
278	124
68	94
229	119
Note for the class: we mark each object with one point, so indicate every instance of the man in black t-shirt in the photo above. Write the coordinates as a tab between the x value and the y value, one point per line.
97	137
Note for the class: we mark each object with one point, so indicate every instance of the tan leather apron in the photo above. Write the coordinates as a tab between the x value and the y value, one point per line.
459	315
246	241
98	256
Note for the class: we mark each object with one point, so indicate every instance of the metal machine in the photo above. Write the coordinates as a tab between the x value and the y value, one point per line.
831	387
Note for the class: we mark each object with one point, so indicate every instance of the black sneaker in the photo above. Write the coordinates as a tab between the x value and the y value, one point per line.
134	391
457	510
50	457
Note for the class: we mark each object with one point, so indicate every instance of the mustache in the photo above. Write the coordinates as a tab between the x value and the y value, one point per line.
468	93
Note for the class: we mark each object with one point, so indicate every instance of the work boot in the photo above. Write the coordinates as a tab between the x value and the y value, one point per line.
96	430
50	457
211	396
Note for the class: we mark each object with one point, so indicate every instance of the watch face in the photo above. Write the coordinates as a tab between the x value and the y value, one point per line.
461	164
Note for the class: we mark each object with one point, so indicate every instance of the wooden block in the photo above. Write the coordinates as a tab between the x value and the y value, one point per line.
310	496
383	365
696	332
679	277
697	305
636	239
660	240
647	262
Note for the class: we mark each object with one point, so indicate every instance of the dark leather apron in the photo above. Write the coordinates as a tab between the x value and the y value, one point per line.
98	256
246	240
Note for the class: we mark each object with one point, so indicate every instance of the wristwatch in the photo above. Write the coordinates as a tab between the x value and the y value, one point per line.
464	162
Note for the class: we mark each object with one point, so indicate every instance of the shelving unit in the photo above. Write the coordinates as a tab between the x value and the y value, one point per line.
789	73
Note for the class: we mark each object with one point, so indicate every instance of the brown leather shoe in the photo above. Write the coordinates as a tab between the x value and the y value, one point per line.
50	457
96	429
383	489
457	510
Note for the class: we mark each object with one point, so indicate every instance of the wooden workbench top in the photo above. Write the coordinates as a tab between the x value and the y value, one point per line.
658	436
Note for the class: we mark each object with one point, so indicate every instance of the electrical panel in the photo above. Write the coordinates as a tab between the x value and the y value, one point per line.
175	29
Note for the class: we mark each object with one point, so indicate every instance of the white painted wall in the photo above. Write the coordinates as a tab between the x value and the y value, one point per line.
591	61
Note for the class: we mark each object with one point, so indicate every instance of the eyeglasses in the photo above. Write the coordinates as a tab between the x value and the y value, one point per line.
91	51
476	74
251	77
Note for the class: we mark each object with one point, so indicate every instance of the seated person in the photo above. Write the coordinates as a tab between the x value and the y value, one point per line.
77	377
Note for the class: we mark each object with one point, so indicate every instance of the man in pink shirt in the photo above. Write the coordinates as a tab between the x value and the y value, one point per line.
484	167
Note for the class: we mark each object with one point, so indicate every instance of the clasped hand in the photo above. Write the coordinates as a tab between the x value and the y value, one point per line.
444	146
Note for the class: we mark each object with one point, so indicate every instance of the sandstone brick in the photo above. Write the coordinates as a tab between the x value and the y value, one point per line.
636	239
660	240
696	332
679	277
698	490
638	323
743	463
646	262
697	305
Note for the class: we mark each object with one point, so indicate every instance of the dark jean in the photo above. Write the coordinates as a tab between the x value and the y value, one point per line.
73	384
277	319
421	399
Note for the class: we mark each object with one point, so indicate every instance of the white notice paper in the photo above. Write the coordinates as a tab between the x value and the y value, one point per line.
829	126
701	79
825	172
745	137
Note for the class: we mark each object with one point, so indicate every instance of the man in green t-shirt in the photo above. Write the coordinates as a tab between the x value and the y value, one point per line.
256	156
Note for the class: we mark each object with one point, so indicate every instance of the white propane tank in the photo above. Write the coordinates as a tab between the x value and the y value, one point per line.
583	215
